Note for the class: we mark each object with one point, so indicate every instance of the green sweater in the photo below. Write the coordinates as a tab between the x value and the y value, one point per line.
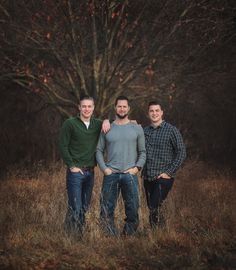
77	143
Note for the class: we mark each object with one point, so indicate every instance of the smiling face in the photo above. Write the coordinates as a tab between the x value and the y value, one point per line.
86	108
155	114
122	109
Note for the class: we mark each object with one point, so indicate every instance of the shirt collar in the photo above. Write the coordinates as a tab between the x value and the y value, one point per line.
78	117
160	126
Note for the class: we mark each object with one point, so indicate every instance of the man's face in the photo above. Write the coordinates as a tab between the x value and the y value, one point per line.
122	108
155	114
86	108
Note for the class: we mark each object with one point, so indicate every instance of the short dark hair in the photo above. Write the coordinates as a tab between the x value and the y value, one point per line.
154	102
121	98
86	97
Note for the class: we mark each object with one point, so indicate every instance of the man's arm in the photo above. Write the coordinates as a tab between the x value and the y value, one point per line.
100	152
179	152
106	126
141	149
64	140
141	153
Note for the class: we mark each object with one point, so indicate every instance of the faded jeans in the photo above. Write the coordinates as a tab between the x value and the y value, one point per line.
112	185
79	191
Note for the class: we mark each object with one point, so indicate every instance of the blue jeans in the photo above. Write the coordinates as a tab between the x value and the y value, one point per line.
112	185
156	192
79	191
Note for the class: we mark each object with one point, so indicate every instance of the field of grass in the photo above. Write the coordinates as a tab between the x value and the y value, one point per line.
200	231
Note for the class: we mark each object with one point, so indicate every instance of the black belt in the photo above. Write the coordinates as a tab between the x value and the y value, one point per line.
90	169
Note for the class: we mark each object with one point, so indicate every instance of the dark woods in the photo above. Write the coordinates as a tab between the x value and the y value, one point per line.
182	53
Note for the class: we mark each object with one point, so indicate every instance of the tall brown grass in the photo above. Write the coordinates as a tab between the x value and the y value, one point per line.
199	234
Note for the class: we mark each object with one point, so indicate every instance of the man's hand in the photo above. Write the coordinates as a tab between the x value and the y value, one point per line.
132	171
76	170
107	171
106	126
163	175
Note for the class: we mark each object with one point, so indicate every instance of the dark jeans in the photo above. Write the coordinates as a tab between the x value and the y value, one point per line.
79	191
156	192
112	185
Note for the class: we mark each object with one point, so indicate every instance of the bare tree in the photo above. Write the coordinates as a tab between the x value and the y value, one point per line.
62	49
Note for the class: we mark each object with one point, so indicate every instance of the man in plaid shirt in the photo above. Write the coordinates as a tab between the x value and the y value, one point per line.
165	152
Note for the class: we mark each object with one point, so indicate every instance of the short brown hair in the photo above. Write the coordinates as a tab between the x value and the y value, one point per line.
154	102
86	97
121	98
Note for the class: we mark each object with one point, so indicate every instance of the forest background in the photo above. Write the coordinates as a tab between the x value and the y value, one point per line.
182	53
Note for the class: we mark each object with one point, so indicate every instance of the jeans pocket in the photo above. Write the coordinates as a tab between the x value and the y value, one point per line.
74	176
106	176
133	178
130	173
166	181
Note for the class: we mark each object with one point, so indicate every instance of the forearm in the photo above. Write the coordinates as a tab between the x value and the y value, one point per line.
100	160
141	151
100	152
64	142
177	162
66	157
179	152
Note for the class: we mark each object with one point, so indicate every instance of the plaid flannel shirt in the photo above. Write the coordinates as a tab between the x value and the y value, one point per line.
165	150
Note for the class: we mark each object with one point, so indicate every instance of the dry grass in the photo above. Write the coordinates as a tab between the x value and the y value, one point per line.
200	231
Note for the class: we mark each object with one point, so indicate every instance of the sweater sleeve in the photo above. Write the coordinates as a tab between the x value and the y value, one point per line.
100	152
64	141
141	148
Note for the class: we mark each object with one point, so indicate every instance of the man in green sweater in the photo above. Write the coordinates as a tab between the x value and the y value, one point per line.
77	142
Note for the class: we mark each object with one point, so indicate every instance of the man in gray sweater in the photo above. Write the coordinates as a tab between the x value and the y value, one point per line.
124	146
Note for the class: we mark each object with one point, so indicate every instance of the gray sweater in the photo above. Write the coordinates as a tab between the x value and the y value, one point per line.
124	146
